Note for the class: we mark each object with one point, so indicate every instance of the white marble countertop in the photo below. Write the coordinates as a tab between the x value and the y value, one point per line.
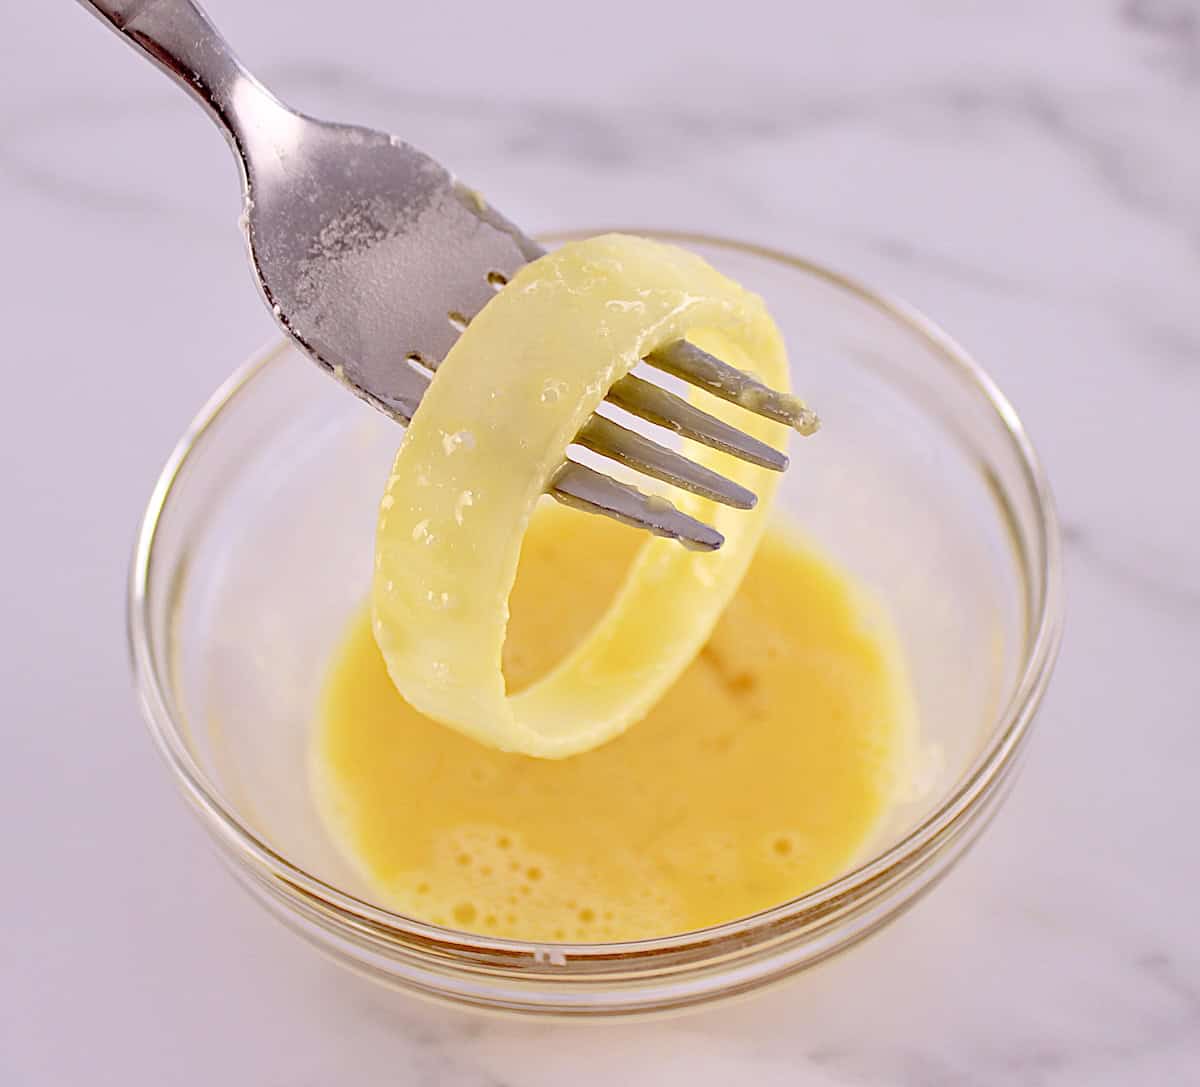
1027	173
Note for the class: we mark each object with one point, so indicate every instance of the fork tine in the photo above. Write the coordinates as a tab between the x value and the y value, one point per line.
656	405
688	363
610	439
578	486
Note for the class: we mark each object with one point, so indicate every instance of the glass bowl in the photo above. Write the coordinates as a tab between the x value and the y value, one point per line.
257	545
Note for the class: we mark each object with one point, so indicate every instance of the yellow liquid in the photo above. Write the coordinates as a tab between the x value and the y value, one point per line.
760	774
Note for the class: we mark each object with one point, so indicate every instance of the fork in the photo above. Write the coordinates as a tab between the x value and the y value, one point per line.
343	223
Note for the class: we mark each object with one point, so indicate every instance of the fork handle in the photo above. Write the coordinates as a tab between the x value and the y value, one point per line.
181	40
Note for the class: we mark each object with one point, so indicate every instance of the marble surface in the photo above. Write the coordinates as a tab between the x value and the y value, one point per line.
1028	173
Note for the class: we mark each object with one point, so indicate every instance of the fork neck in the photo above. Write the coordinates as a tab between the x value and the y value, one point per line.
181	40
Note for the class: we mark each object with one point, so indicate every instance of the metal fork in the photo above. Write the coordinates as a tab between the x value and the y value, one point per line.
374	258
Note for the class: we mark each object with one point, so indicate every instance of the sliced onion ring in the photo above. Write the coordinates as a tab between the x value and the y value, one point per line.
492	429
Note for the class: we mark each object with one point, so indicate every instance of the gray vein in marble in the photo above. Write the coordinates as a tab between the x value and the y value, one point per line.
1033	1064
1131	1041
1035	1061
1179	601
605	137
1174	27
899	1066
668	135
66	180
946	267
1173	351
50	183
1070	127
658	133
1163	970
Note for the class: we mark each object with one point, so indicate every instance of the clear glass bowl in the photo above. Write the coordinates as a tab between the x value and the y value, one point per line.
257	544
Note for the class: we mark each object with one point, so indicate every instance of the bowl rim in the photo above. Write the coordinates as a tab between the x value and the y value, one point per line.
990	766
